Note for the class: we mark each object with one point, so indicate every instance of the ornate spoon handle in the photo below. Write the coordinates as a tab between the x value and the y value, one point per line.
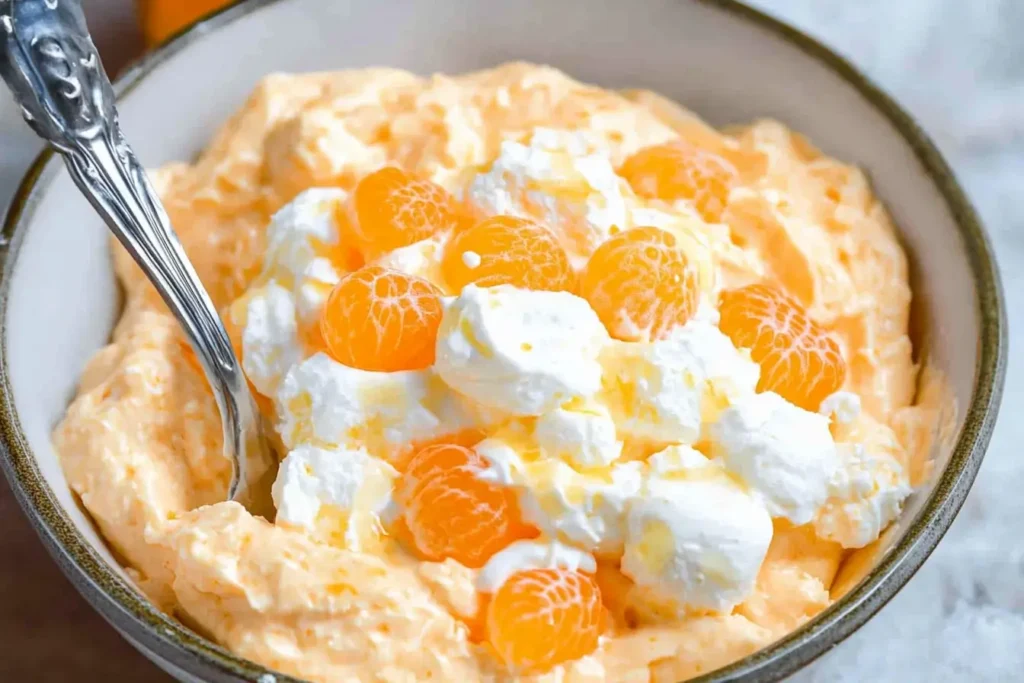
50	63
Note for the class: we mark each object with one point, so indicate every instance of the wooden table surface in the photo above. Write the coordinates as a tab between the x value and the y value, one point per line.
47	631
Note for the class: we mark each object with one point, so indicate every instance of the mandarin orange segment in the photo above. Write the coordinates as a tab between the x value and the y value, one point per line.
382	320
641	284
467	437
540	618
800	360
161	19
437	458
450	512
393	209
680	170
505	250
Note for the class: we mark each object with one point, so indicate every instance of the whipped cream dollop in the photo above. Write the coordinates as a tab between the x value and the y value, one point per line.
270	338
336	494
421	259
695	539
587	509
324	402
471	259
784	453
295	281
582	435
867	491
560	179
520	351
665	390
842	406
300	239
524	555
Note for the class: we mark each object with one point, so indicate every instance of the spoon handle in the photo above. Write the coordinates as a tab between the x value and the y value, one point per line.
50	63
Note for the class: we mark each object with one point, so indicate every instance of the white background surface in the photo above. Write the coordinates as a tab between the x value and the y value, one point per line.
959	68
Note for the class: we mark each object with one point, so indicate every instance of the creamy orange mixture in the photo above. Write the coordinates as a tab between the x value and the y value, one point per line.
802	251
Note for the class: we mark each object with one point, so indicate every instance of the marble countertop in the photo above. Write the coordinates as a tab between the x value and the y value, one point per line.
959	68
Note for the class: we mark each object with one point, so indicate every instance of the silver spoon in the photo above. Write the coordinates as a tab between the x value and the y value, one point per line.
48	60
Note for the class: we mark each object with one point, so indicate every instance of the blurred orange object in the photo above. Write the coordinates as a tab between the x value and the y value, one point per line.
161	19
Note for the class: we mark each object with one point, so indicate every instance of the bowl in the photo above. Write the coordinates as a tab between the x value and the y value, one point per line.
724	60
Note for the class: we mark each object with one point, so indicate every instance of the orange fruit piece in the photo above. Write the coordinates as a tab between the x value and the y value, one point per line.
450	512
161	19
505	250
393	209
382	320
641	284
540	618
800	360
438	458
467	437
680	170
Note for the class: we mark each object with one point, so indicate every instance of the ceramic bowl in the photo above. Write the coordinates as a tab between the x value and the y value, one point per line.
727	62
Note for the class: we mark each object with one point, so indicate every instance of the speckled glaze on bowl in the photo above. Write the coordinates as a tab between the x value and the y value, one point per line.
59	299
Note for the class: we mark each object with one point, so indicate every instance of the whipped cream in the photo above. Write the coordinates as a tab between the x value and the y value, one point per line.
323	402
665	390
337	495
297	278
421	259
784	453
695	539
866	493
587	509
558	179
842	406
270	342
524	555
583	436
300	238
520	351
